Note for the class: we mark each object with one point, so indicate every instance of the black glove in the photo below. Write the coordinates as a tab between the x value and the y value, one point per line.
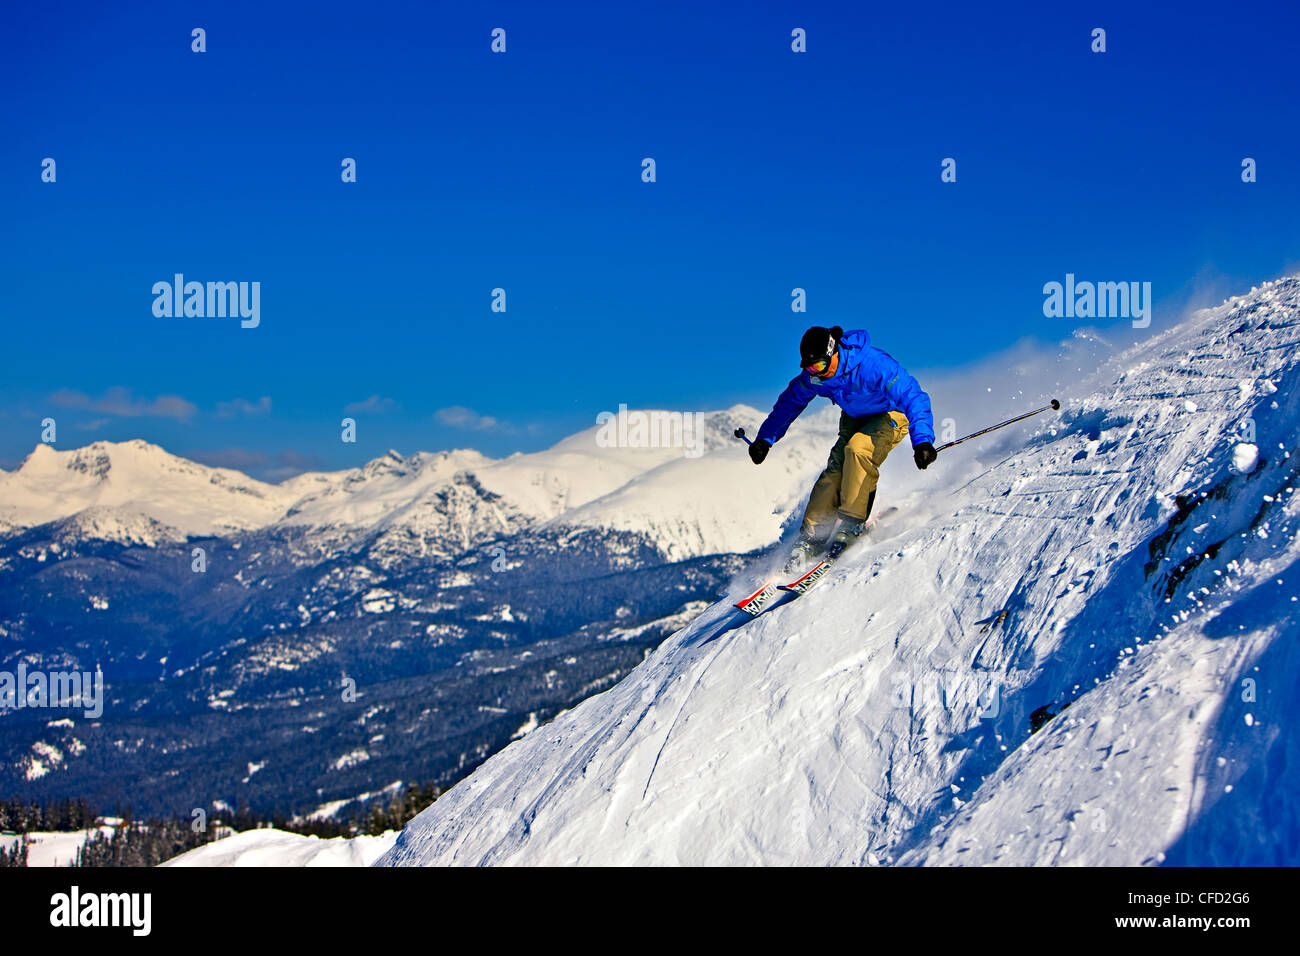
758	450
925	455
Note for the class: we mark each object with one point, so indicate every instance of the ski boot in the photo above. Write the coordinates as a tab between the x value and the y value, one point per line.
800	554
845	535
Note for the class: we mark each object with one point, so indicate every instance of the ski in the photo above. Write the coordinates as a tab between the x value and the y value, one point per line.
804	582
759	601
773	595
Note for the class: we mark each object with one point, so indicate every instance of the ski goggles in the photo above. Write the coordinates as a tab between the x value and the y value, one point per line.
824	368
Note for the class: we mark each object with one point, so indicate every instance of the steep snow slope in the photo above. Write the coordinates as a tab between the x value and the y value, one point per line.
138	480
1134	561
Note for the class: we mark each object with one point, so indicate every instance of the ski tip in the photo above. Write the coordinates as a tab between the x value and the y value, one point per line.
758	600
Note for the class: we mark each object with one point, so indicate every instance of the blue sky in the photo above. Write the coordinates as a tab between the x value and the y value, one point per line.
522	170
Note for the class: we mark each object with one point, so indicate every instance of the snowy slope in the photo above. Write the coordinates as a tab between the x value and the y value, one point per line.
1134	560
53	848
268	847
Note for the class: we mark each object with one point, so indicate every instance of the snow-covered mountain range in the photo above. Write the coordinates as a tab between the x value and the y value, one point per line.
471	596
1079	649
433	504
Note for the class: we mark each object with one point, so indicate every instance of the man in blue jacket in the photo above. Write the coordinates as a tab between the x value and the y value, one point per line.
879	402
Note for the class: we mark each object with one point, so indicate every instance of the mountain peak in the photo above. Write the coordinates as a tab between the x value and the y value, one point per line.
42	453
142	480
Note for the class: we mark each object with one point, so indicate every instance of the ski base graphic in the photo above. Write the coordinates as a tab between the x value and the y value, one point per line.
759	601
802	584
771	595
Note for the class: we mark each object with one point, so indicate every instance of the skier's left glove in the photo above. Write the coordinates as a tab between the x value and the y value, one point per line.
925	455
758	450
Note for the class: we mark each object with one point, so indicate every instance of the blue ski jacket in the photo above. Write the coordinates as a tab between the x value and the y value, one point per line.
867	382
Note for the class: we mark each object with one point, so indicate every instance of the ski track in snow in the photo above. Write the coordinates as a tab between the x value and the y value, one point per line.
1116	561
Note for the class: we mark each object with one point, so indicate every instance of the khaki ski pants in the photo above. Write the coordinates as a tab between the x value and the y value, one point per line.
847	485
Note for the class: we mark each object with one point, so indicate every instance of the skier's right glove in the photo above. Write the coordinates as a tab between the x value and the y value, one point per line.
758	450
925	455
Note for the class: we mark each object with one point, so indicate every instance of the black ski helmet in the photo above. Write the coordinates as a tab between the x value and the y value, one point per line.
819	343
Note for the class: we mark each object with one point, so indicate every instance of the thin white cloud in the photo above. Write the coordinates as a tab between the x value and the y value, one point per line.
119	402
374	405
458	416
242	406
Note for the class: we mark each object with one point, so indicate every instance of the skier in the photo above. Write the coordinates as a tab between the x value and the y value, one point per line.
879	404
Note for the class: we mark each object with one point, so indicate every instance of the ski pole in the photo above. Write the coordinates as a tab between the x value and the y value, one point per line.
740	433
1055	405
